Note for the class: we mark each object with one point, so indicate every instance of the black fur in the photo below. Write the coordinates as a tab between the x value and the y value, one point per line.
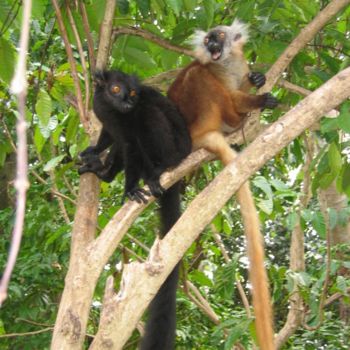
146	135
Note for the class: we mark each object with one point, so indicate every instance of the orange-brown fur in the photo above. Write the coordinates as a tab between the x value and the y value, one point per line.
207	100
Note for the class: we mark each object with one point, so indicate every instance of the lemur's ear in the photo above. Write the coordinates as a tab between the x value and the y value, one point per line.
239	31
198	38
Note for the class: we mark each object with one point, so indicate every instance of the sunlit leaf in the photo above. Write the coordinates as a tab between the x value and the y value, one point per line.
52	163
43	107
344	117
8	59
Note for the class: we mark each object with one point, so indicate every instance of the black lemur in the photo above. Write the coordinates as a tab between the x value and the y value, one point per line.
146	135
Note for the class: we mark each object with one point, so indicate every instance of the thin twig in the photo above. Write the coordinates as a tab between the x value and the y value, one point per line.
12	335
33	322
8	21
19	88
87	30
135	240
72	64
53	191
82	58
335	297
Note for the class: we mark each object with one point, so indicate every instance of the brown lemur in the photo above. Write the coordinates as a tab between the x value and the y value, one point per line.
211	94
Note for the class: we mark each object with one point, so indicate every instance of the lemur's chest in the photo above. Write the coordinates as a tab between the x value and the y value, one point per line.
230	73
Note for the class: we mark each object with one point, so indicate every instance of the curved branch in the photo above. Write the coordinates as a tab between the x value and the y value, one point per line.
151	37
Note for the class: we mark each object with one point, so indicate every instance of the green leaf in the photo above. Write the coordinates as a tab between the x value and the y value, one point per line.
236	332
135	56
2	156
334	158
8	59
342	285
326	179
123	6
73	150
72	128
263	184
266	205
43	107
38	8
201	278
144	7
189	5
279	185
52	163
329	124
345	179
245	10
47	129
39	139
218	222
175	5
318	224
209	11
291	220
344	117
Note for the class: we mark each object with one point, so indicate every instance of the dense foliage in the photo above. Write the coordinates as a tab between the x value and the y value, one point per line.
56	137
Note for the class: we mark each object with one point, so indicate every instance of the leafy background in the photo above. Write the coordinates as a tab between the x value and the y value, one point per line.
56	137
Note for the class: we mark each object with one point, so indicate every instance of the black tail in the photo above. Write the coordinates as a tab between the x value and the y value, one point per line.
161	323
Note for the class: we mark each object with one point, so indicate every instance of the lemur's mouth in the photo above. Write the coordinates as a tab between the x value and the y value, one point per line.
216	55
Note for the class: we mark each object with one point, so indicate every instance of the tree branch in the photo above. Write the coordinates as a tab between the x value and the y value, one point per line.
82	57
140	282
151	37
87	30
73	67
70	326
305	35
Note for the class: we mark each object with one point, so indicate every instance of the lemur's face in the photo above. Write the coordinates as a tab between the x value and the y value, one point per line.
214	41
220	42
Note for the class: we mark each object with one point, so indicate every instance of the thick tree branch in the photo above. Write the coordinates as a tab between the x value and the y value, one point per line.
122	311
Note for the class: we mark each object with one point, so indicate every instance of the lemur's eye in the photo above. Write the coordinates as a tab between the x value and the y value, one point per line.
115	89
132	93
206	40
222	35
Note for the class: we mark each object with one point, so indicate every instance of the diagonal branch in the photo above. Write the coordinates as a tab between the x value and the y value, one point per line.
305	35
141	281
